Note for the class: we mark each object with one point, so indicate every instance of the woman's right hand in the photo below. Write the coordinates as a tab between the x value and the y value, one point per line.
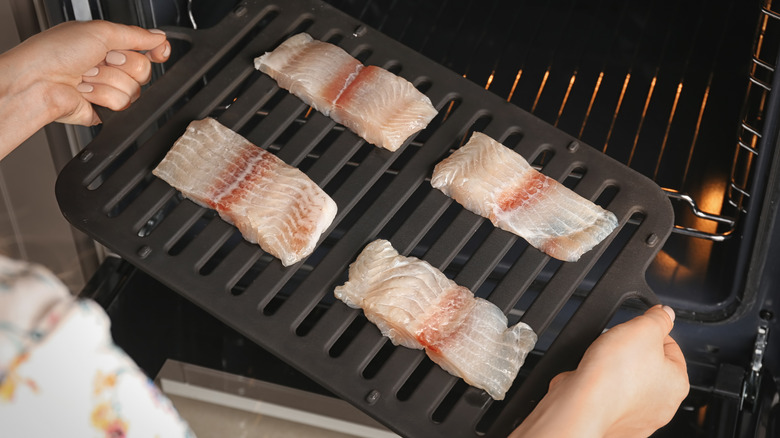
629	383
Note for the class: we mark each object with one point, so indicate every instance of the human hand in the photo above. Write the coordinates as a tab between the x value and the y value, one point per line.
93	62
58	74
629	383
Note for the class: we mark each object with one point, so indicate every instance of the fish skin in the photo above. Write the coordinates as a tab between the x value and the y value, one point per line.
417	306
273	204
495	182
381	107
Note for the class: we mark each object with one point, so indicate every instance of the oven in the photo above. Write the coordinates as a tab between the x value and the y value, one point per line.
679	93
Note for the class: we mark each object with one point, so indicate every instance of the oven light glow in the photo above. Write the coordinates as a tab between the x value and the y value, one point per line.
566	97
541	88
642	119
696	131
514	85
490	79
668	127
590	104
617	111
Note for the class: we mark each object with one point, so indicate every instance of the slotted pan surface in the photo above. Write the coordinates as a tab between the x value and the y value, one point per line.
108	192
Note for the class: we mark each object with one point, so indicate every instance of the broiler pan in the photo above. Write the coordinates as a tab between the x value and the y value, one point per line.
108	192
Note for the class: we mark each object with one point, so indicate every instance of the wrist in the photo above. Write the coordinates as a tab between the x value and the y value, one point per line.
26	104
571	408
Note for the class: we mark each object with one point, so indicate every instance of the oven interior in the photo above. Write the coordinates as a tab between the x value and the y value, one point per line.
678	91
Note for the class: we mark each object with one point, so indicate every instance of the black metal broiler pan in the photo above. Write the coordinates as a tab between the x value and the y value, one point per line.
108	192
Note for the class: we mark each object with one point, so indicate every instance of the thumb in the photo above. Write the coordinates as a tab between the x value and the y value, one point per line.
124	37
662	317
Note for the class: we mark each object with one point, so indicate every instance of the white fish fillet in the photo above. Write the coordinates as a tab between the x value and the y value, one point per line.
379	106
417	306
271	203
495	182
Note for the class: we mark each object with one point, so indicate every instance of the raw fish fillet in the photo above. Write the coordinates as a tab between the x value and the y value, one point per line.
417	306
271	203
495	182
379	106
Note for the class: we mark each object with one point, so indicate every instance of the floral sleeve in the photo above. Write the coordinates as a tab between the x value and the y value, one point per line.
60	372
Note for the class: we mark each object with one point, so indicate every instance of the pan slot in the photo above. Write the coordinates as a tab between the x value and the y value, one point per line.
406	390
436	231
442	411
573	178
126	200
497	274
363	53
264	110
376	363
289	133
468	251
192	232
160	215
607	196
308	323
348	168
346	338
221	253
294	283
251	275
542	158
111	168
395	68
611	253
412	205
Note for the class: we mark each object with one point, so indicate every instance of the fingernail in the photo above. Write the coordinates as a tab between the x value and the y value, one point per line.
157	31
115	58
669	311
91	72
84	88
166	51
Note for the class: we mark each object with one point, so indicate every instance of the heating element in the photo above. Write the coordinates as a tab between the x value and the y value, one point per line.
108	191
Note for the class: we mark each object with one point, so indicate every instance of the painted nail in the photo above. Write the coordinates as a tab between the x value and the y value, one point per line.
669	311
157	31
115	58
91	72
84	88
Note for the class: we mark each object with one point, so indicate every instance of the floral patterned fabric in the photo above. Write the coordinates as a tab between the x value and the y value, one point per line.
60	372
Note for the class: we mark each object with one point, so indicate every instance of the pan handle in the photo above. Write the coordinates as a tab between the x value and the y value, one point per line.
104	113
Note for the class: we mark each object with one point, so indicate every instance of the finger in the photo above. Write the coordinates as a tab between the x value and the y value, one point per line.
104	95
160	53
560	377
134	64
81	114
123	37
115	78
661	317
672	351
